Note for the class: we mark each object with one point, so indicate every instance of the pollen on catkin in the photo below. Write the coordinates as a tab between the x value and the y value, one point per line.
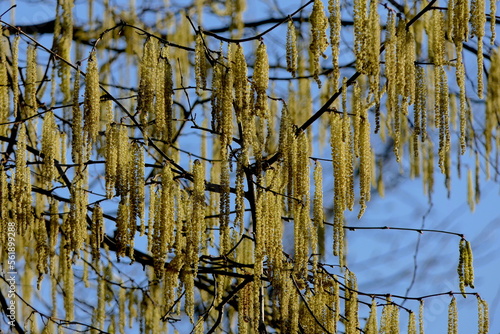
200	64
483	316
319	41
49	148
453	317
335	26
291	49
30	86
261	79
147	81
91	107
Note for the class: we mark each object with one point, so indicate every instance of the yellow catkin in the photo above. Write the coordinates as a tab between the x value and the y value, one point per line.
493	10
111	155
469	273
453	317
77	142
97	232
4	89
49	148
147	81
492	102
318	210
360	34
15	74
412	324
460	77
335	26
240	81
200	65
371	323
42	249
291	49
339	173
478	22
365	161
442	113
63	38
261	79
319	41
389	322
421	328
124	242
31	82
197	226
123	167
137	195
21	188
92	100
483	316
351	307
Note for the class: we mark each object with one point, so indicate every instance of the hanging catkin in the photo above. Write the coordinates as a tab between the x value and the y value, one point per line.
319	41
91	106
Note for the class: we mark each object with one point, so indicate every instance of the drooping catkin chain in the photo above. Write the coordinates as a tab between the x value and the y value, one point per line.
261	80
200	65
291	49
147	81
465	267
91	106
319	41
453	317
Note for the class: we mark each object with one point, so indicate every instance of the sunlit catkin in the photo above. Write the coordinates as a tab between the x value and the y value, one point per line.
453	317
21	187
4	90
49	148
137	195
97	232
482	316
492	101
465	266
30	86
371	323
15	74
351	303
147	82
319	41
291	49
340	181
421	329
335	26
261	79
200	64
365	161
91	100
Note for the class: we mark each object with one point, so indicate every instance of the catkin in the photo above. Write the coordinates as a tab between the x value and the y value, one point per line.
49	148
200	65
91	106
319	41
21	188
483	316
261	79
291	49
147	81
4	89
453	317
30	86
371	323
335	26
